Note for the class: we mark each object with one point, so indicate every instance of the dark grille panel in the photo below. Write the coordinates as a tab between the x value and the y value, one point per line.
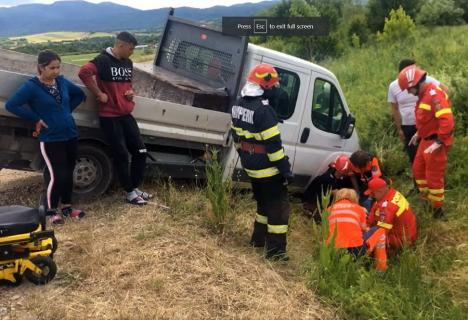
212	64
201	54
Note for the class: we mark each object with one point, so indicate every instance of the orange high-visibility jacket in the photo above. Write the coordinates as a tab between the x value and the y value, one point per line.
394	214
434	114
349	221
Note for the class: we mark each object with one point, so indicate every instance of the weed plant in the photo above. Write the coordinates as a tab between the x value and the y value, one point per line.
361	292
218	192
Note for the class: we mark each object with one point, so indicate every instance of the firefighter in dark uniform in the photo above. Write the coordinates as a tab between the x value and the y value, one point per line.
257	139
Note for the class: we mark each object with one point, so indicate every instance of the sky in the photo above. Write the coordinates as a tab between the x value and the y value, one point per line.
144	4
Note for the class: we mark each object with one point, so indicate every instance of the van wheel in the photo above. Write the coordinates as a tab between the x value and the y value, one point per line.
93	172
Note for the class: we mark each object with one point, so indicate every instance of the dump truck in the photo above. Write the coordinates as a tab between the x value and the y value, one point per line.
183	111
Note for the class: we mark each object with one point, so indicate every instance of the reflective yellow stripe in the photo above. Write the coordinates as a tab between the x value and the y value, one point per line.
442	112
263	75
421	181
261	219
277	229
264	135
270	133
435	198
425	106
446	95
384	225
436	191
264	173
401	202
275	156
401	209
247	134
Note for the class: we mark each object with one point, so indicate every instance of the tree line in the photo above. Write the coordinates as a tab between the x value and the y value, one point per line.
355	23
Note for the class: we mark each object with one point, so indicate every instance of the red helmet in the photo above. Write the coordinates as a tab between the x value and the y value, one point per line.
410	77
342	165
264	75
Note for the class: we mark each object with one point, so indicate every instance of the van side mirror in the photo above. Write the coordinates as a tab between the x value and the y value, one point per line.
348	127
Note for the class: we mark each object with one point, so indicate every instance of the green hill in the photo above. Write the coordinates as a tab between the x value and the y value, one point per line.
431	280
62	36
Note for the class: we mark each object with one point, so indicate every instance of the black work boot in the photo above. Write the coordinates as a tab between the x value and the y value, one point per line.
437	213
276	255
258	235
276	247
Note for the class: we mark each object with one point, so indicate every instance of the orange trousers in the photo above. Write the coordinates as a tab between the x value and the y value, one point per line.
376	244
429	172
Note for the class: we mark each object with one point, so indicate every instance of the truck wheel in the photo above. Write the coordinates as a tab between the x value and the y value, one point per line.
93	172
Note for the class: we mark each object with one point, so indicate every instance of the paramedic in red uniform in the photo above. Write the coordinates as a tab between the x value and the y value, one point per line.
392	212
435	125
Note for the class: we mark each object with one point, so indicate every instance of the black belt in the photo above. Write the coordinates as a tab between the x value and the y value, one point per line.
431	137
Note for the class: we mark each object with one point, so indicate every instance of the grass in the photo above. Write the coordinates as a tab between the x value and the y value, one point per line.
79	59
144	263
428	281
125	262
140	55
61	36
218	193
405	291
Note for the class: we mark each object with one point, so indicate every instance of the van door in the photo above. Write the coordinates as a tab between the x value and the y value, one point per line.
319	140
287	100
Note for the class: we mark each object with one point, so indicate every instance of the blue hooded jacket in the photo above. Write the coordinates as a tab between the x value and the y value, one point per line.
32	102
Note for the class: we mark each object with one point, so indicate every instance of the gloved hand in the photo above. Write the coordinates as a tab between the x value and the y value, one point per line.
433	147
414	140
288	178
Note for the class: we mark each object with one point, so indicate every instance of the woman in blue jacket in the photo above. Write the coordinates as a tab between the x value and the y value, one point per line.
48	101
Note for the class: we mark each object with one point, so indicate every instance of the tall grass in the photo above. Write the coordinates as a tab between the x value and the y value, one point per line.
218	192
402	292
427	281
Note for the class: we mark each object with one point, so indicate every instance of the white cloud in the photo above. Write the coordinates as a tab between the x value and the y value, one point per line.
9	3
144	4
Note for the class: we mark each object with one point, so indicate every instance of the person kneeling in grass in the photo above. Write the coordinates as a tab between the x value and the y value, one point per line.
391	212
347	222
348	229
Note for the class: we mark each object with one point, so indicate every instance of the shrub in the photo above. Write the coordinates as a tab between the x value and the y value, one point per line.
459	99
358	29
397	27
379	9
355	41
440	12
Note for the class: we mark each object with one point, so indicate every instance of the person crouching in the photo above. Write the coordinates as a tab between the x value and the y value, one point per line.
347	222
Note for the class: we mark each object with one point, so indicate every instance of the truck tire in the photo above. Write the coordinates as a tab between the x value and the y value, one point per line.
93	172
